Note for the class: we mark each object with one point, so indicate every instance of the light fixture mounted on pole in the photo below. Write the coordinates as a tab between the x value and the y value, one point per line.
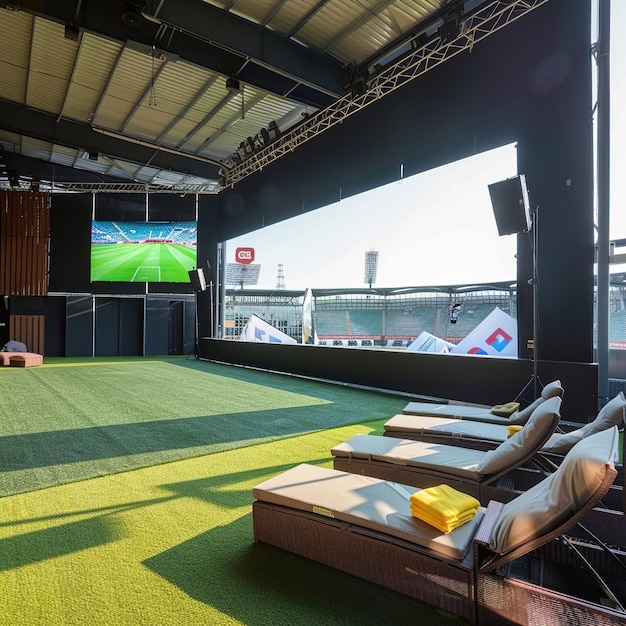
371	267
513	214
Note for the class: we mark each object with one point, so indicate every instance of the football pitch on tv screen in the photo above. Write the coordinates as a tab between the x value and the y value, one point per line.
149	262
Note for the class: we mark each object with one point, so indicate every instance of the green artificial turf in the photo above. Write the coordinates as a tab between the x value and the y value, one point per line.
73	419
142	262
173	545
131	484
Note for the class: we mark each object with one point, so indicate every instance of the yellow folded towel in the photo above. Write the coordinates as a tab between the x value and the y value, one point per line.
444	501
505	410
444	527
513	428
443	507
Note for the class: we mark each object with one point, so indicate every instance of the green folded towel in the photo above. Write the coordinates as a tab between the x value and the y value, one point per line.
505	410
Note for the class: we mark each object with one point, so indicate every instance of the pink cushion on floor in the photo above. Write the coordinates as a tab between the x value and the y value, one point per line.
21	359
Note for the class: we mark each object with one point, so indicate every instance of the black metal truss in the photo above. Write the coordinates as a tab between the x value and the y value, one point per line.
473	29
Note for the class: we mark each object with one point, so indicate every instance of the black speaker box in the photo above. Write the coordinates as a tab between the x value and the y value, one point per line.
197	279
509	199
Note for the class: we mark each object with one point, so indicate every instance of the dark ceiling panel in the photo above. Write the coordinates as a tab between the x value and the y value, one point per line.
39	125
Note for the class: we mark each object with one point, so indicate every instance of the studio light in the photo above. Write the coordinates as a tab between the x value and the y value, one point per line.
248	146
273	131
14	179
451	27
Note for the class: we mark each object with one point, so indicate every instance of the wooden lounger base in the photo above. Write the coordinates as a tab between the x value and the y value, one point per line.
373	556
457	587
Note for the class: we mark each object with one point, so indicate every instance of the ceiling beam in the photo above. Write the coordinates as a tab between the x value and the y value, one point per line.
259	45
207	37
22	120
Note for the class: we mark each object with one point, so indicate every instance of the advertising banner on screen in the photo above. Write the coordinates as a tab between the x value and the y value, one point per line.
496	335
426	342
244	255
259	330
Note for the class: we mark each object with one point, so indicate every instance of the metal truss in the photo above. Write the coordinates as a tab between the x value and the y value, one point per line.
473	29
181	189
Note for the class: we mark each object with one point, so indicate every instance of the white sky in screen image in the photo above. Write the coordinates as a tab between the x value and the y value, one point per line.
435	228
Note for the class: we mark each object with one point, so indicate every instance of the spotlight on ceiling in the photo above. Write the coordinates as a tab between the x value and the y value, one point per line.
273	130
232	84
14	178
451	27
249	145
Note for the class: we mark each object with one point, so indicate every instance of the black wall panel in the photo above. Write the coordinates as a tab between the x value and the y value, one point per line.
107	327
79	326
466	378
121	206
54	312
119	327
26	305
170	324
70	243
157	330
4	322
169	206
131	323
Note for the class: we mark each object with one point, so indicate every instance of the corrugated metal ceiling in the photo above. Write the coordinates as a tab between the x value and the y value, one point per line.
91	84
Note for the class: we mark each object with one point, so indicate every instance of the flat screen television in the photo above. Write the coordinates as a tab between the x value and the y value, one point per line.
148	252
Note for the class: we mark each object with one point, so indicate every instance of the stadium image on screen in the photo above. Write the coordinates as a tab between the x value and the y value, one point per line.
150	252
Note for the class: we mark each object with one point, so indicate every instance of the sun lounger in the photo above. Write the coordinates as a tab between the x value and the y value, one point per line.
486	436
483	436
483	414
363	526
422	464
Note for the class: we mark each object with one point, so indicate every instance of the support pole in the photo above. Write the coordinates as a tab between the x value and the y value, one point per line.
603	178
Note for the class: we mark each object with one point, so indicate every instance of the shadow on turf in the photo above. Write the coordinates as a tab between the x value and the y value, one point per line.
258	584
212	432
48	543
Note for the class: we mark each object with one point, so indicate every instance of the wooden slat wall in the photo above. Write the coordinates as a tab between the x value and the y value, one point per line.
28	329
24	243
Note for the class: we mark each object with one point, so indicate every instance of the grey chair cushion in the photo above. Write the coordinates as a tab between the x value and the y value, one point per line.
611	414
517	447
546	505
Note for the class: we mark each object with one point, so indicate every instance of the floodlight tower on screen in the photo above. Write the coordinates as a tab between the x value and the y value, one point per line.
242	275
371	266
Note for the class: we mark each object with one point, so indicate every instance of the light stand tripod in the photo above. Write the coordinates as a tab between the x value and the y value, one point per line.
194	350
198	283
513	215
534	381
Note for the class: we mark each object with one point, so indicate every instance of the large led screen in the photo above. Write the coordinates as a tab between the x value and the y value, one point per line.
149	252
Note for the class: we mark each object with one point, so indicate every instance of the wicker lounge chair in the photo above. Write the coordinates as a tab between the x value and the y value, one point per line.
422	464
483	414
483	436
363	526
486	436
